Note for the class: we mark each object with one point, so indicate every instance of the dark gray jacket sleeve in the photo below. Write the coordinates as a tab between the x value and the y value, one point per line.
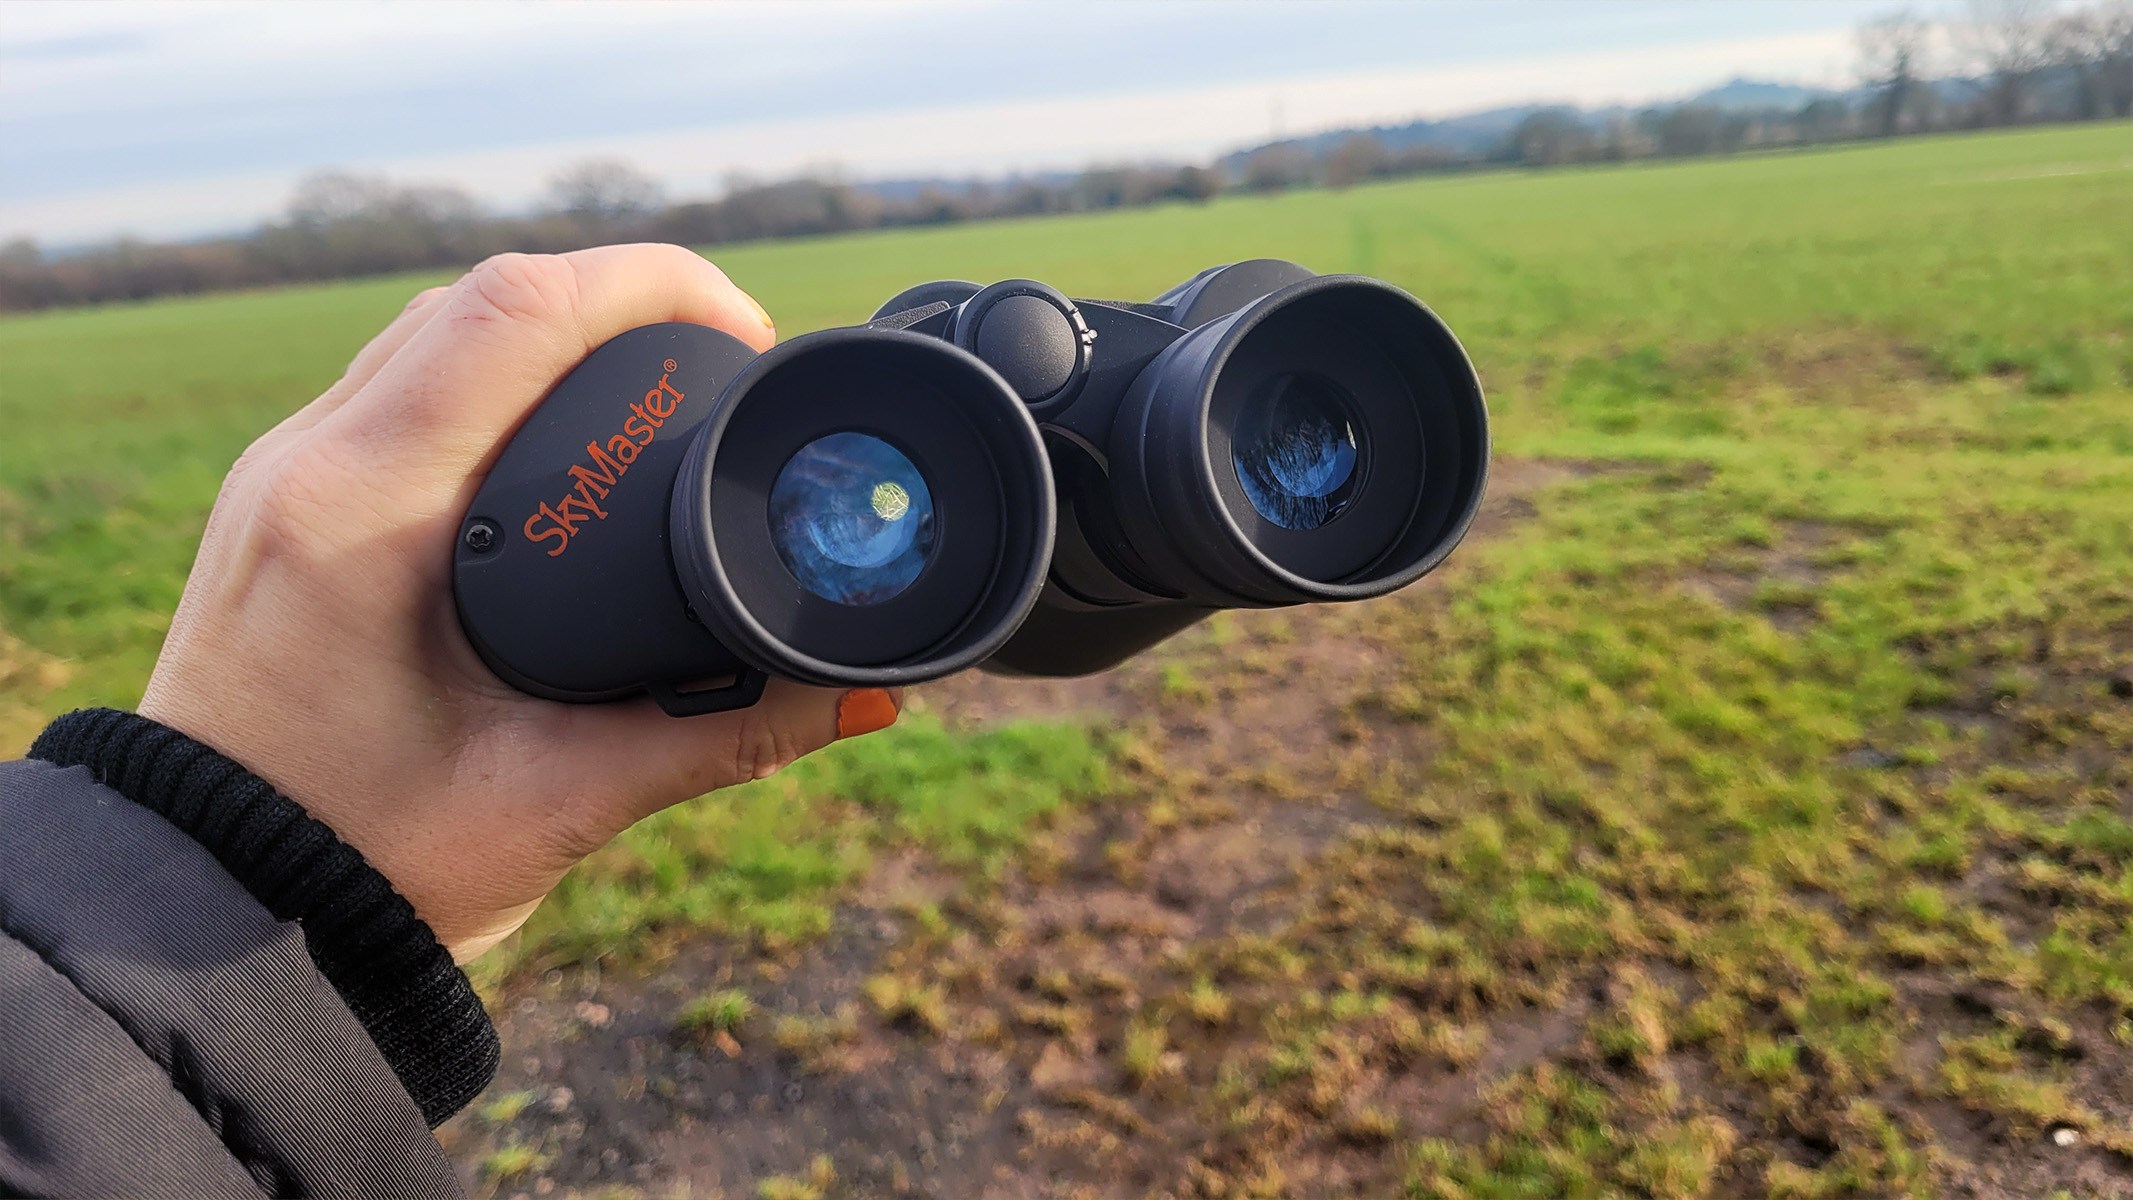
162	1033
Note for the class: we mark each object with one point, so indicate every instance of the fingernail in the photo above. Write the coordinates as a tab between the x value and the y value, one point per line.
760	314
864	710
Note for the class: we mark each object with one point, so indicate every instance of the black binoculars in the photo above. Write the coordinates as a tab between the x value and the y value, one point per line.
980	475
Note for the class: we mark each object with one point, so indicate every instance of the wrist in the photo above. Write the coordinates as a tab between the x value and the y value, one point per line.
335	769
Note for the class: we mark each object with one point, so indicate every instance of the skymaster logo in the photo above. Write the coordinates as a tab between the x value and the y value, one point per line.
588	486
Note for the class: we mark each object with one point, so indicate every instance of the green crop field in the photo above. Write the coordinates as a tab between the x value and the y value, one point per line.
1747	810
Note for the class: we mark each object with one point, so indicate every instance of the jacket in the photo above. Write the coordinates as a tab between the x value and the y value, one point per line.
204	992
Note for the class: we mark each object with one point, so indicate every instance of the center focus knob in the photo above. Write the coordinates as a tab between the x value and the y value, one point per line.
1030	343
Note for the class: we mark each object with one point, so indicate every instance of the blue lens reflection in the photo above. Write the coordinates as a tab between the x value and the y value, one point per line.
1295	449
851	518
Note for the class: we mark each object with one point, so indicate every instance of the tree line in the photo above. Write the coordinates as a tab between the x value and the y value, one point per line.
341	225
2014	61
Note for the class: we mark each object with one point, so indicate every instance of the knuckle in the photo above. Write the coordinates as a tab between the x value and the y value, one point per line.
248	467
760	748
682	258
425	296
299	505
538	289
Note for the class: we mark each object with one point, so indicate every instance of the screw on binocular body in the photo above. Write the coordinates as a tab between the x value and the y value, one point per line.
482	537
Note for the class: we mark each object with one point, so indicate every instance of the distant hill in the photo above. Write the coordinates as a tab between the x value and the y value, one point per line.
1473	134
1755	95
1478	134
906	190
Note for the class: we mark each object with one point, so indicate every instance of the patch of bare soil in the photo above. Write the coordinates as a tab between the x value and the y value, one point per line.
2055	721
1988	1157
1782	581
1846	367
1251	720
997	1060
2056	724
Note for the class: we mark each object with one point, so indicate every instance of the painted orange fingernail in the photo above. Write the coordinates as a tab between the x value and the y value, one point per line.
864	710
764	316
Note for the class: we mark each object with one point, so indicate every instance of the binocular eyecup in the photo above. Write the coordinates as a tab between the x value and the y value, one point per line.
997	476
1326	442
864	508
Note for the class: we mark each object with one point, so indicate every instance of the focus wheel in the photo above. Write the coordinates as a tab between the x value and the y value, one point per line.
1033	336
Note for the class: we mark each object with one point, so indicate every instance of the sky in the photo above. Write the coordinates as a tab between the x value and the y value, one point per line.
169	118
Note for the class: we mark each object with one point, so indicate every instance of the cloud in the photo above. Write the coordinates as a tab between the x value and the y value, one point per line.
88	45
207	117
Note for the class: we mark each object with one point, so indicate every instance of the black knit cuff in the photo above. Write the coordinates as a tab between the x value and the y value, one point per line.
389	968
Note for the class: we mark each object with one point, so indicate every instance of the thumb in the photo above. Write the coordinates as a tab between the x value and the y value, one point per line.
676	759
628	760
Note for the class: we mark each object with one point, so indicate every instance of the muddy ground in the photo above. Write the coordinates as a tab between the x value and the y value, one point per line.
875	1098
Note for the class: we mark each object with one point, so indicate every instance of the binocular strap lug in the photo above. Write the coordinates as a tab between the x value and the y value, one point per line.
746	689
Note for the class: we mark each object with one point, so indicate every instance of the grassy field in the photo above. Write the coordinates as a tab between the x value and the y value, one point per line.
1749	810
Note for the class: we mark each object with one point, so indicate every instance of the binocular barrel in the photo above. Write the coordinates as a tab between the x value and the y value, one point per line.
981	475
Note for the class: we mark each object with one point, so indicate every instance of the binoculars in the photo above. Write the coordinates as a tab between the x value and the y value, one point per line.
997	476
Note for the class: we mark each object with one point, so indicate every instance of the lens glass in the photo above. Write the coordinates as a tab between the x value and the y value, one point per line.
1295	450
851	518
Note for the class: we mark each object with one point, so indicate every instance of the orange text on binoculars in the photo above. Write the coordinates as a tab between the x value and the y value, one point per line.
589	485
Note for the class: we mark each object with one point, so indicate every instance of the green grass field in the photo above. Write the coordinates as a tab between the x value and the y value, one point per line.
1774	764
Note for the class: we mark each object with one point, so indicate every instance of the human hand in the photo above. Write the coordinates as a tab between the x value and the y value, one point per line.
317	643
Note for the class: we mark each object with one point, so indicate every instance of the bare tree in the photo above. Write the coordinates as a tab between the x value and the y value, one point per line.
331	197
1621	139
2114	25
1281	165
343	224
1892	51
1551	136
1197	184
2007	39
2074	44
1358	157
1825	119
604	189
325	198
1686	129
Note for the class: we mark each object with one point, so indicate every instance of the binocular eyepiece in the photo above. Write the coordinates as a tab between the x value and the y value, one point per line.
980	475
